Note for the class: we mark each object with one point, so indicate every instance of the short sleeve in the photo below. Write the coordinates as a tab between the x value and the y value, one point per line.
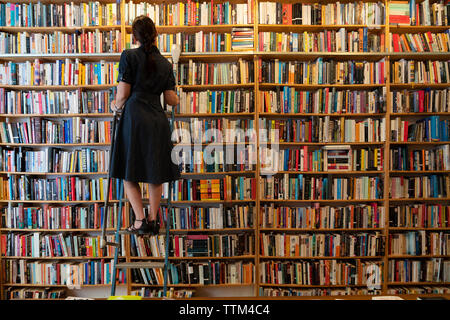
125	70
170	85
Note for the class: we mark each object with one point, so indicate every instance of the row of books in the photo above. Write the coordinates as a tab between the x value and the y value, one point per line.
38	245
406	159
197	130
417	243
191	13
33	293
324	129
54	160
426	100
92	13
61	217
431	186
300	187
420	216
435	289
341	40
421	13
59	42
289	292
242	39
62	72
416	71
426	129
198	73
72	130
194	245
210	101
72	274
322	160
55	102
203	218
159	293
327	100
58	189
434	270
321	71
323	272
200	41
226	188
322	217
420	42
211	272
241	158
360	12
321	245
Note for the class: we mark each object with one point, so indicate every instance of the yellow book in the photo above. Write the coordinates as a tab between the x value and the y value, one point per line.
100	15
181	11
62	73
101	189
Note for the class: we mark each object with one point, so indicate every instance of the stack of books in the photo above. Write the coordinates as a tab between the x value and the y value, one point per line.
242	39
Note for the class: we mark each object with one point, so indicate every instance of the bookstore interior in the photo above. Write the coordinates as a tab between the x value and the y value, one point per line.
313	140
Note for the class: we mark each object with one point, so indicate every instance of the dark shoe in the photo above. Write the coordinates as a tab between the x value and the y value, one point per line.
143	229
154	226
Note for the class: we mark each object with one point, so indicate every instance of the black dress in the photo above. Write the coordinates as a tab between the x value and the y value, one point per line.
142	152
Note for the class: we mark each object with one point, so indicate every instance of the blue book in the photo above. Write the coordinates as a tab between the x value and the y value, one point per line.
338	181
320	66
300	179
434	122
297	184
365	40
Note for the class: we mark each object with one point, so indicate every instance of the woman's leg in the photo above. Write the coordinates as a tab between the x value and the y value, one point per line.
133	193
155	191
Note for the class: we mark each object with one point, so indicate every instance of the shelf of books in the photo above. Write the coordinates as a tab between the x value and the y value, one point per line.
313	140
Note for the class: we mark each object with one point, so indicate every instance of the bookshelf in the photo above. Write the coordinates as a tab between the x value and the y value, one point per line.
355	264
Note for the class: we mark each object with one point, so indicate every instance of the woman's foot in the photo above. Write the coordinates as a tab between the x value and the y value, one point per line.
139	227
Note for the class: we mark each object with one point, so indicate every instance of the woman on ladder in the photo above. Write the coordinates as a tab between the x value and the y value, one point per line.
142	151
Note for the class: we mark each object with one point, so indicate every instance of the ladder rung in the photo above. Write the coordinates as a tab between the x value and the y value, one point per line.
131	265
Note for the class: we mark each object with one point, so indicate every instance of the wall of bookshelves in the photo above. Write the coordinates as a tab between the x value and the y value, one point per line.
356	202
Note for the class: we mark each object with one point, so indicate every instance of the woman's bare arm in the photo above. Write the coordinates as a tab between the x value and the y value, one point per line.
123	92
171	98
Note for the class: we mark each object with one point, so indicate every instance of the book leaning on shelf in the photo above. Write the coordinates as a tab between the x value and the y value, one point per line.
322	217
55	102
71	14
50	273
204	273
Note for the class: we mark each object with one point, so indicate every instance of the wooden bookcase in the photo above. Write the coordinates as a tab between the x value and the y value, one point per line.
256	258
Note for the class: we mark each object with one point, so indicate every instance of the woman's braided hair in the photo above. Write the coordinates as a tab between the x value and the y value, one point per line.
144	31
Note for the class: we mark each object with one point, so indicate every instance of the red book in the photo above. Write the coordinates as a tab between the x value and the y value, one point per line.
395	42
399	19
284	12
